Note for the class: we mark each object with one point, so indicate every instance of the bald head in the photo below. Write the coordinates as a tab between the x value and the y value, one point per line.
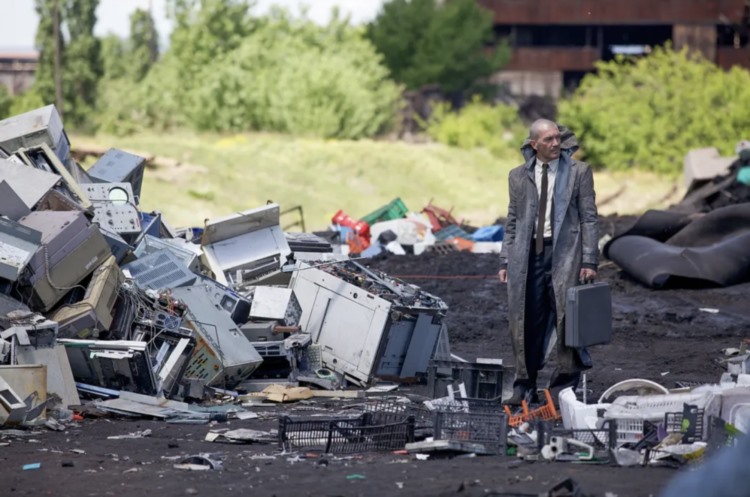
539	126
544	138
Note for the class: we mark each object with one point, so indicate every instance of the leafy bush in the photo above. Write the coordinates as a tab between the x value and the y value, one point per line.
205	31
6	100
649	112
296	77
26	101
478	124
282	75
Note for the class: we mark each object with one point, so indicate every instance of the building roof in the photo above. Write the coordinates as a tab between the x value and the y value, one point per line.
27	56
623	12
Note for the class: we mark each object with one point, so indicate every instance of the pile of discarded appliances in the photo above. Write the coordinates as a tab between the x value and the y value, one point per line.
101	300
393	228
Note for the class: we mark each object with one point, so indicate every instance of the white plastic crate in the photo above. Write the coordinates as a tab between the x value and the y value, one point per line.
653	407
631	411
629	430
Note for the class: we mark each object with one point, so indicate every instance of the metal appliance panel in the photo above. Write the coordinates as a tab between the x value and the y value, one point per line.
119	166
223	356
347	322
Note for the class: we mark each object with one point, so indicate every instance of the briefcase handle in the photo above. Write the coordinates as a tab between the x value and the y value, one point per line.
586	282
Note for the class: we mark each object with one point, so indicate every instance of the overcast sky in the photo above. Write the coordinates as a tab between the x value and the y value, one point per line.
19	20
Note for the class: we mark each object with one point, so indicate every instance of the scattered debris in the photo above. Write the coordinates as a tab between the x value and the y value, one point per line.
131	436
199	463
242	435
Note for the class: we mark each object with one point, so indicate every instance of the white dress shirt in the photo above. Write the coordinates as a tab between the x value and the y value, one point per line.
551	173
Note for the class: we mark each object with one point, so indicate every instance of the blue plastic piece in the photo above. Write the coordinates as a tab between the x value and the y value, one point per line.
743	176
492	233
451	231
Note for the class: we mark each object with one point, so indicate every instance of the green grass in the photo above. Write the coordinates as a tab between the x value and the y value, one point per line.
224	174
220	174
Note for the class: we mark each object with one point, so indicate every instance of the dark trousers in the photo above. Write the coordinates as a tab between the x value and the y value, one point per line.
540	312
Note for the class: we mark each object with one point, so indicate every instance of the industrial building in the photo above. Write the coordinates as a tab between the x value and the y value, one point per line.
17	70
556	42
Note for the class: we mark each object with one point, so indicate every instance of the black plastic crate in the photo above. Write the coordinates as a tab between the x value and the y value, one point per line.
489	429
389	411
345	435
482	381
692	430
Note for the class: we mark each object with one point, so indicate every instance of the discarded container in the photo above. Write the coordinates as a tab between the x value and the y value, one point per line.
361	228
27	381
575	414
546	412
492	233
395	209
487	428
406	231
631	411
344	435
449	232
482	381
12	407
439	217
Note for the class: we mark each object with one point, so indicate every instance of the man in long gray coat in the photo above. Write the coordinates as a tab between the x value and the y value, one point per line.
550	245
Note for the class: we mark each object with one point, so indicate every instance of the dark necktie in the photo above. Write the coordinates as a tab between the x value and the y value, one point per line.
542	211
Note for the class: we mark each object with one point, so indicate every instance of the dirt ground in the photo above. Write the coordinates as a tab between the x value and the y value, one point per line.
660	335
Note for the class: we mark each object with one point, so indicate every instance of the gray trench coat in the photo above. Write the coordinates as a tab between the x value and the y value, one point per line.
574	234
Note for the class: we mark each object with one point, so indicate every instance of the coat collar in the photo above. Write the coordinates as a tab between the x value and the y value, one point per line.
564	182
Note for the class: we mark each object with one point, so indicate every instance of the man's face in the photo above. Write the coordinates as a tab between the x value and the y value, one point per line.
547	145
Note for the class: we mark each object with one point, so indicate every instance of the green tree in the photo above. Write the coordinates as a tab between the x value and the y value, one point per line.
649	112
44	78
207	29
114	51
144	43
83	64
296	77
6	100
431	42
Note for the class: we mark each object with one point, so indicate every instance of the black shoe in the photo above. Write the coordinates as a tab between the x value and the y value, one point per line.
520	393
561	381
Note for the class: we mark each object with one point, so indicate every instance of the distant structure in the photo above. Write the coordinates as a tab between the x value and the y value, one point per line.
17	70
556	42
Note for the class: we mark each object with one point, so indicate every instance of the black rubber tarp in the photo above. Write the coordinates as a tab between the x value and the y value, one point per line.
671	248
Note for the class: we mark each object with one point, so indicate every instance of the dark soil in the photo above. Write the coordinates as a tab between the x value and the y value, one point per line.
659	335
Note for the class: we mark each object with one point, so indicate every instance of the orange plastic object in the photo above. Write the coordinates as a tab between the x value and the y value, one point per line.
361	228
357	244
462	244
547	412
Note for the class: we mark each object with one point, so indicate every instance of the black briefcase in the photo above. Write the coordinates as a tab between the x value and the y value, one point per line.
588	315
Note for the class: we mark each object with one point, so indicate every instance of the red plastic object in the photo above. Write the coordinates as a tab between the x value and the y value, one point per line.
361	228
439	217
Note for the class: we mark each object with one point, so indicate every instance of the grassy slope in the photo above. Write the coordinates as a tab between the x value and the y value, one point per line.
223	174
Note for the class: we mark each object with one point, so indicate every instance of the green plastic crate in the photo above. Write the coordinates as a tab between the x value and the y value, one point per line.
395	209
